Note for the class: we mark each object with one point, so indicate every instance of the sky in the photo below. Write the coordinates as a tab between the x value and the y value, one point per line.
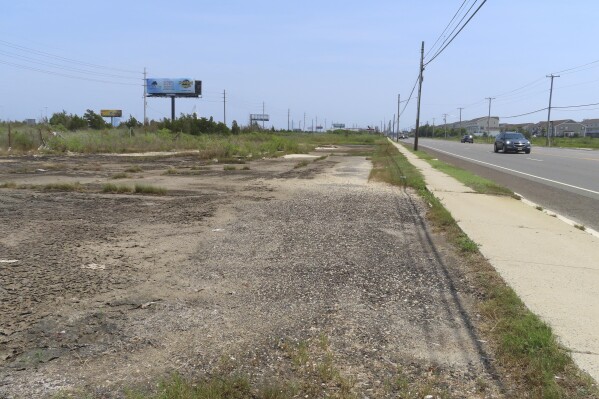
332	61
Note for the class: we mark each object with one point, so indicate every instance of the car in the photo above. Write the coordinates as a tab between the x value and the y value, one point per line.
511	141
467	138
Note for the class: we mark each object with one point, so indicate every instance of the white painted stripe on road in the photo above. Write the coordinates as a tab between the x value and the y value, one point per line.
513	170
534	159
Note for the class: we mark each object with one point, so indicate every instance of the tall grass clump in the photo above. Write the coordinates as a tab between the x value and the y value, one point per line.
149	189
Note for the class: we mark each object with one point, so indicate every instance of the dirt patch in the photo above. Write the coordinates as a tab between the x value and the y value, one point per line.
229	268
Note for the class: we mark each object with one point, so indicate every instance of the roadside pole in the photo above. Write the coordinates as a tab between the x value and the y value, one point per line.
419	93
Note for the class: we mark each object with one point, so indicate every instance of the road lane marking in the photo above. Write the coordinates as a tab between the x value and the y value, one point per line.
534	159
515	171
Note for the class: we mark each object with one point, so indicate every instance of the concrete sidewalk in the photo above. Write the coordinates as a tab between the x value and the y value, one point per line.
553	267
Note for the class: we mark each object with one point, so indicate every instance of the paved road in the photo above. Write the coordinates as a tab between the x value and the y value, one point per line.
563	180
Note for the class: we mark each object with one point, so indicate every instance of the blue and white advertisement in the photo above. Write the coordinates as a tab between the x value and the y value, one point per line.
170	86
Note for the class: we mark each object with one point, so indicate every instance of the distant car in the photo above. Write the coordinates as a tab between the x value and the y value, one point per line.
467	138
511	141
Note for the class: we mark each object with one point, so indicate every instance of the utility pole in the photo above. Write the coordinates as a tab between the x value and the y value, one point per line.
549	109
262	115
419	94
393	128
145	96
489	116
433	128
316	122
445	124
460	108
398	130
304	121
288	112
225	107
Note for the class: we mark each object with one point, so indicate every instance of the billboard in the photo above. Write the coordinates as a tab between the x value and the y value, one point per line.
111	113
259	117
181	87
338	125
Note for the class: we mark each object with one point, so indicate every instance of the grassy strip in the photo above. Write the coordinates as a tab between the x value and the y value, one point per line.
525	345
477	183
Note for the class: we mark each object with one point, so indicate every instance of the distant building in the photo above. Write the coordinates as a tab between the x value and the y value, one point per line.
478	126
591	127
569	129
540	128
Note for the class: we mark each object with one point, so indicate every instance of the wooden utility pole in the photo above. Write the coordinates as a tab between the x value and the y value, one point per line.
398	129
225	107
489	117
9	137
445	124
549	109
419	95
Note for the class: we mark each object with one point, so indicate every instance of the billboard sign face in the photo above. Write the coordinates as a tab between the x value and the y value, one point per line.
114	113
259	117
338	125
173	87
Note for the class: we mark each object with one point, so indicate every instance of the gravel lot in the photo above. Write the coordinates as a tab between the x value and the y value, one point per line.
230	270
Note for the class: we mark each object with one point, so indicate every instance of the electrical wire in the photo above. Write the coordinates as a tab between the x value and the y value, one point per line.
409	97
63	67
57	57
458	32
65	75
444	30
577	106
527	113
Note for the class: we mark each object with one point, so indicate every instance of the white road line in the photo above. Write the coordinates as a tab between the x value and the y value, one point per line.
534	159
515	171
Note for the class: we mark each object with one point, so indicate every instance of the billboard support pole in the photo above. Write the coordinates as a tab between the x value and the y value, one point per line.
172	108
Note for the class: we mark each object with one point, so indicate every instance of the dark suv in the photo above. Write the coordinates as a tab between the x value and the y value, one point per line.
511	141
468	138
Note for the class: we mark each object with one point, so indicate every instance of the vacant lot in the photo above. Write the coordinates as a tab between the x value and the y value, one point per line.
291	273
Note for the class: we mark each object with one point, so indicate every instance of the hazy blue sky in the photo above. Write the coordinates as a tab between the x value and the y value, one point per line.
343	61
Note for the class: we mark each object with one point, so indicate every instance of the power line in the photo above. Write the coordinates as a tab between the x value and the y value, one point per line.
57	57
458	32
409	97
527	113
63	67
65	75
444	30
577	106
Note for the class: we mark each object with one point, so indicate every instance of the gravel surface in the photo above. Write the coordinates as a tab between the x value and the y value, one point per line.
231	270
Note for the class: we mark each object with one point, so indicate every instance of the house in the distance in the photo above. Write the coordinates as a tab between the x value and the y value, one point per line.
591	127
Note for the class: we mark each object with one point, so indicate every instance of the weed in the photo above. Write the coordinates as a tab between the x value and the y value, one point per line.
465	244
229	167
539	208
580	227
148	189
245	168
62	187
113	188
121	175
301	164
9	184
134	169
320	158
